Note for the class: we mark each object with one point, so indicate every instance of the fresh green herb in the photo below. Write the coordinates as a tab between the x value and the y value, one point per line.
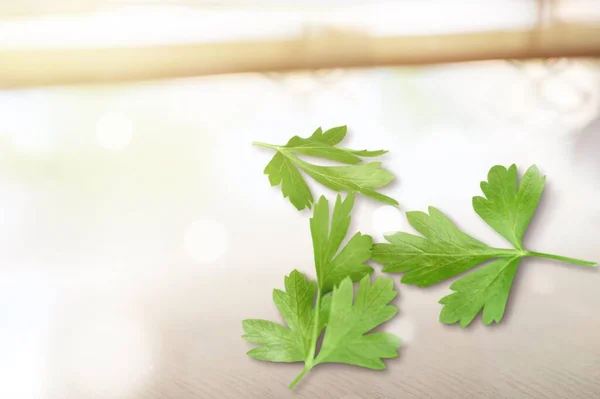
346	323
285	168
445	251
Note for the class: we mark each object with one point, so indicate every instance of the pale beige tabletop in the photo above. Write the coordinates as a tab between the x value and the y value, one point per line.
111	288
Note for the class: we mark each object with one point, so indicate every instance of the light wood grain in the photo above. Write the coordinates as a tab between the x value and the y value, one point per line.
94	240
25	68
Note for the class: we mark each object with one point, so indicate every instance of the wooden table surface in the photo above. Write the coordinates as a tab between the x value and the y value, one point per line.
109	291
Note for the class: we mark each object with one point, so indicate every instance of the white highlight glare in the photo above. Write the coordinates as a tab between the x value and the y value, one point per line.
114	131
112	358
26	302
388	219
22	369
206	241
403	328
562	94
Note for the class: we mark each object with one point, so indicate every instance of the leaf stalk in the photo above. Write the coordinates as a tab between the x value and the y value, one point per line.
260	144
305	370
561	258
309	362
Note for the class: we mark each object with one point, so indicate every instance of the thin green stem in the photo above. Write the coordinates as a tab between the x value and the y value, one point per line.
305	370
315	332
310	358
259	144
561	258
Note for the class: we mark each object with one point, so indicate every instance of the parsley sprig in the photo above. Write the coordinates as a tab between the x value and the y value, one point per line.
355	177
346	319
445	251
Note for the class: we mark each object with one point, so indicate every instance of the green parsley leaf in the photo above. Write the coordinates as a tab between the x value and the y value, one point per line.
308	308
285	168
346	339
445	251
508	208
293	343
333	266
486	288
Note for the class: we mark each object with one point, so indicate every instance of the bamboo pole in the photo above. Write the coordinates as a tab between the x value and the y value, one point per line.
28	68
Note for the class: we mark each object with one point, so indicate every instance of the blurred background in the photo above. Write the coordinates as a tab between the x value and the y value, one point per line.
137	229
